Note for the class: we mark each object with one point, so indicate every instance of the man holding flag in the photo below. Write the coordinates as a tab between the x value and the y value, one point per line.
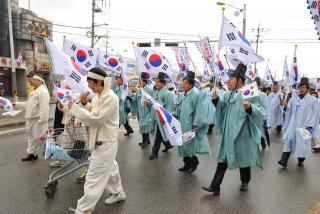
190	112
123	106
143	109
238	121
164	98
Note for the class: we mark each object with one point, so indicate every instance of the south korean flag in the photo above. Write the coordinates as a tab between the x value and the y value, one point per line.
230	36
243	55
152	62
111	62
82	55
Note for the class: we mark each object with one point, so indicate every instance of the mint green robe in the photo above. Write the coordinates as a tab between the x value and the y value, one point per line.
164	98
123	106
143	112
240	131
191	114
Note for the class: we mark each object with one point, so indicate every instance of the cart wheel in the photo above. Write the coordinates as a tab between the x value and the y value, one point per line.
51	189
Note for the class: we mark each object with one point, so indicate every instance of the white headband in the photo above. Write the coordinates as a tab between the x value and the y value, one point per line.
95	76
38	78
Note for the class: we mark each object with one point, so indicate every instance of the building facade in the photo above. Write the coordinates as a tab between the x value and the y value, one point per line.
27	29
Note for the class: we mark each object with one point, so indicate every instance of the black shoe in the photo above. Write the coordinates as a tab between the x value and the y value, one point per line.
144	145
128	133
300	163
153	156
316	149
184	168
140	144
212	190
167	148
282	163
30	157
244	187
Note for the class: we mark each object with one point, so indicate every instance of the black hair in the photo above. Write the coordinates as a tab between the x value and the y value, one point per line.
190	81
314	92
30	74
98	71
162	81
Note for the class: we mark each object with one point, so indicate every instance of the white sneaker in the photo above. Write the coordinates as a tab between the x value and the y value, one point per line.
55	163
115	198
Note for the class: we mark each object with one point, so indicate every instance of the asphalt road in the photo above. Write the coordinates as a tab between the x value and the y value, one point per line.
158	187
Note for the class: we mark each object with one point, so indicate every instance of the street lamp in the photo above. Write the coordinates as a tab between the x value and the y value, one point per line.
236	13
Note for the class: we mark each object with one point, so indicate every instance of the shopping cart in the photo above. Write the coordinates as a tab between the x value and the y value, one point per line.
68	146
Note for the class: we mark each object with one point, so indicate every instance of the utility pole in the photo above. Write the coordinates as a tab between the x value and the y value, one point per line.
92	23
13	60
257	46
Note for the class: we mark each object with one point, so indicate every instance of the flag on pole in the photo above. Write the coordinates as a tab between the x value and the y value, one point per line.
286	73
206	73
237	55
250	72
21	62
111	62
170	124
152	62
294	74
205	49
82	55
124	87
230	36
183	59
63	65
268	76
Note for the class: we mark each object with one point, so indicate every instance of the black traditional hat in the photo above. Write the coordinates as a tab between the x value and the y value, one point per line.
240	72
304	81
145	76
162	76
275	83
190	75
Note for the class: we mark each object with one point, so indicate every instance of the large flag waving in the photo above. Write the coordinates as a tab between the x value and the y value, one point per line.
171	125
111	62
151	62
82	55
230	36
268	76
65	66
294	74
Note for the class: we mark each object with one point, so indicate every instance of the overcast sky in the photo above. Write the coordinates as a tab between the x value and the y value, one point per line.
285	24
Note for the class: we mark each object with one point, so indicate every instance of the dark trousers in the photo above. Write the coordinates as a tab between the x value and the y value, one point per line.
210	128
245	175
266	132
286	155
157	142
145	138
279	128
128	127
